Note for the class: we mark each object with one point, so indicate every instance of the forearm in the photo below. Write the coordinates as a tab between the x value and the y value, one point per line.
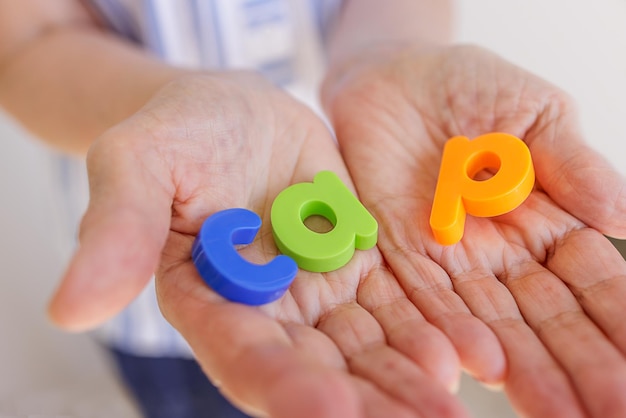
364	24
70	84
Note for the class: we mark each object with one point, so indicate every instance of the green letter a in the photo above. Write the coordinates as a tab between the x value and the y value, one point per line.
353	226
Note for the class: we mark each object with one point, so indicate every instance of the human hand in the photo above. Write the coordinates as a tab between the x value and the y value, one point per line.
342	344
543	278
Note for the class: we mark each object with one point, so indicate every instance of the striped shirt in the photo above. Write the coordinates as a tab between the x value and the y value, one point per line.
282	39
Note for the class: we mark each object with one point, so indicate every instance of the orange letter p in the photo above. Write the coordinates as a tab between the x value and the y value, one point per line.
458	193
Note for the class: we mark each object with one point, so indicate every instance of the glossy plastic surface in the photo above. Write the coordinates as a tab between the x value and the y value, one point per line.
353	226
458	192
229	274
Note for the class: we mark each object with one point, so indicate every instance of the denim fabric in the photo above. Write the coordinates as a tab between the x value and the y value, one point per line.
170	387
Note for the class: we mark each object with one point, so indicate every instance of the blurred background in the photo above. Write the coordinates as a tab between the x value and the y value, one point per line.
578	45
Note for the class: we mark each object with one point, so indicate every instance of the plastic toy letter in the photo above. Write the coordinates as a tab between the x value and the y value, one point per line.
353	226
229	274
457	193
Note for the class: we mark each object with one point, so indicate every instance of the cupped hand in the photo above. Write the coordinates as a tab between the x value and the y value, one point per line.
343	344
547	286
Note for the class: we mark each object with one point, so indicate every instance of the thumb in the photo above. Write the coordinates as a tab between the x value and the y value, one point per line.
121	235
580	179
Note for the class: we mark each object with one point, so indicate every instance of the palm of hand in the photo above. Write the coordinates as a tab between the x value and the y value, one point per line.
553	305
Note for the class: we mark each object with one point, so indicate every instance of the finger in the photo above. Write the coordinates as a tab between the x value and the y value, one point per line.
578	178
273	379
534	382
430	289
405	382
311	342
595	367
597	278
121	235
362	342
407	330
376	404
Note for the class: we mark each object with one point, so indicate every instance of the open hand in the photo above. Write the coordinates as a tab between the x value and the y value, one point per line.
542	279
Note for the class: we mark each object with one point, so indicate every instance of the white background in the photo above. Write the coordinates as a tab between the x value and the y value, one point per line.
578	45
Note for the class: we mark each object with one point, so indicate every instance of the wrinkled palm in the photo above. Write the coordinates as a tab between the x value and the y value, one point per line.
546	286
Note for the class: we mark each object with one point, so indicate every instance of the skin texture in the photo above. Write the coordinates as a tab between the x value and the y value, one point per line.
545	284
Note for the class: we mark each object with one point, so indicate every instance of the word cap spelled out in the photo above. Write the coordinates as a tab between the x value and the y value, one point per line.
458	193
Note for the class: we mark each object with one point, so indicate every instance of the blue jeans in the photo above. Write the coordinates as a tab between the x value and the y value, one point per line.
167	387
